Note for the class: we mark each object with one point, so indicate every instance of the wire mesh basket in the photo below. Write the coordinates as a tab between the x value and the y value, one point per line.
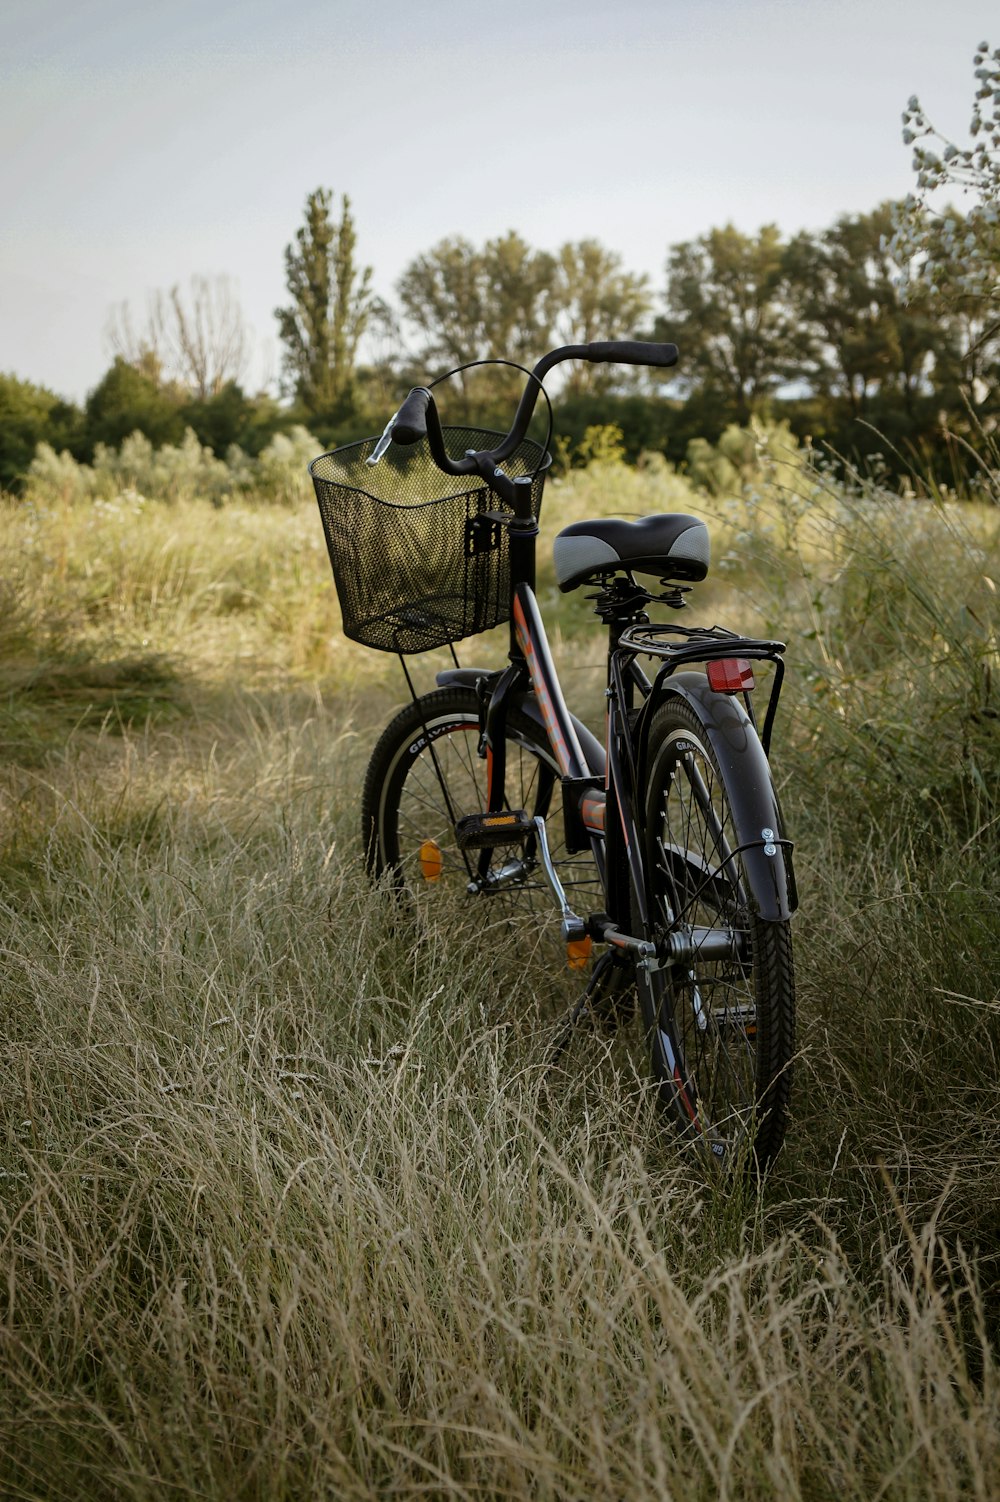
416	569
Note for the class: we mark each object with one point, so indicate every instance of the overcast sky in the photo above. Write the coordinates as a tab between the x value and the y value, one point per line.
143	144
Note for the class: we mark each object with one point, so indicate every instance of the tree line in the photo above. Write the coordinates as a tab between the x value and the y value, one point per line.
876	334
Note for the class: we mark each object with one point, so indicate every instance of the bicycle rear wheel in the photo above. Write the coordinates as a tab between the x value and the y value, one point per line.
426	772
720	1025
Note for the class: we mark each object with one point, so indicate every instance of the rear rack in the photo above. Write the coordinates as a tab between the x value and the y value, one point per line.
696	643
678	645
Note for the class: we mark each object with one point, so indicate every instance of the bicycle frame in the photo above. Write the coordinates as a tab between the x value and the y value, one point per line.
590	775
675	814
601	790
601	785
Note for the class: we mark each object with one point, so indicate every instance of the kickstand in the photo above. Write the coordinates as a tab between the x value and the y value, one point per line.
610	973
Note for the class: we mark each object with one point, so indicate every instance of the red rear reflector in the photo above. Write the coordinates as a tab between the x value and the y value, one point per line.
730	675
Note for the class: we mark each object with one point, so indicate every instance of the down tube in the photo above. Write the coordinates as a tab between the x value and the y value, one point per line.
530	635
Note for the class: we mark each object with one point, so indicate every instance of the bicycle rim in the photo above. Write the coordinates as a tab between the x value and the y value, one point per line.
720	1030
426	773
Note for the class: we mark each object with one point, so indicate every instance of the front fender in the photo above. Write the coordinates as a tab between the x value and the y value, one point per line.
751	791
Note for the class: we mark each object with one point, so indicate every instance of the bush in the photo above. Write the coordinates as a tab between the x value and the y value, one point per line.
29	414
173	472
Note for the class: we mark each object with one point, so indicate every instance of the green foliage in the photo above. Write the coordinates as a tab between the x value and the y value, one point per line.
331	303
280	472
601	444
744	457
174	472
819	329
649	424
127	399
30	414
857	336
479	304
726	308
225	418
506	300
594	298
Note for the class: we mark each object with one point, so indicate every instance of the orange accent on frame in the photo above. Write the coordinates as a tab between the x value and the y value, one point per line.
686	1099
555	735
593	811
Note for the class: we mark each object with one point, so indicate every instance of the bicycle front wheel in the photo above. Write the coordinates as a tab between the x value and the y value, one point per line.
720	1024
426	772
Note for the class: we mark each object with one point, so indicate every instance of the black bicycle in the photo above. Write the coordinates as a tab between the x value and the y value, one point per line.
663	846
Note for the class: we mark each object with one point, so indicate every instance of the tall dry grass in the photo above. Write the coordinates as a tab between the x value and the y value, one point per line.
288	1206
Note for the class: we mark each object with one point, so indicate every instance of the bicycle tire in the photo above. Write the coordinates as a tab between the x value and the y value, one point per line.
720	1032
403	806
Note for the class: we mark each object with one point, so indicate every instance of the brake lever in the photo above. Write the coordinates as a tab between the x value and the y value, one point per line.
384	441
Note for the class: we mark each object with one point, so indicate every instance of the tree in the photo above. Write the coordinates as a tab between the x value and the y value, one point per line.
967	366
380	376
516	299
30	415
441	294
331	301
956	255
593	298
726	308
854	335
198	339
486	304
127	400
223	419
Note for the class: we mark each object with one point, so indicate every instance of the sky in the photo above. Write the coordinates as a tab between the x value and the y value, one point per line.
142	145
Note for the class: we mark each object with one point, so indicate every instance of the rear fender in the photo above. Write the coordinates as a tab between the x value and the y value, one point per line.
754	802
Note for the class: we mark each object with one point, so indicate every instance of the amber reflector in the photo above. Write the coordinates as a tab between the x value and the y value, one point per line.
430	860
578	952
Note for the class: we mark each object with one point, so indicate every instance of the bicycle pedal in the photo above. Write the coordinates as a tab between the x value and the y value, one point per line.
484	831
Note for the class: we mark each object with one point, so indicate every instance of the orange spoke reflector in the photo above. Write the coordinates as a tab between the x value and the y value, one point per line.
730	675
578	952
431	860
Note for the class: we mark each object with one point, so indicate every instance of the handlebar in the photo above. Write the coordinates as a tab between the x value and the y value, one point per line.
418	416
411	419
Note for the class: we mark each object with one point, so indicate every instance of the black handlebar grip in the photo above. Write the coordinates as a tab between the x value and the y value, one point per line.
411	419
631	352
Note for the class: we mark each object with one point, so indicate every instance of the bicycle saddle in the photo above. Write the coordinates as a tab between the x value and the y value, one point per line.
671	545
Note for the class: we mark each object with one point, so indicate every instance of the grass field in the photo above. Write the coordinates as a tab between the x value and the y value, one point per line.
287	1208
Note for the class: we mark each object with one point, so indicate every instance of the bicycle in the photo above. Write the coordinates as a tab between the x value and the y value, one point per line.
671	826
